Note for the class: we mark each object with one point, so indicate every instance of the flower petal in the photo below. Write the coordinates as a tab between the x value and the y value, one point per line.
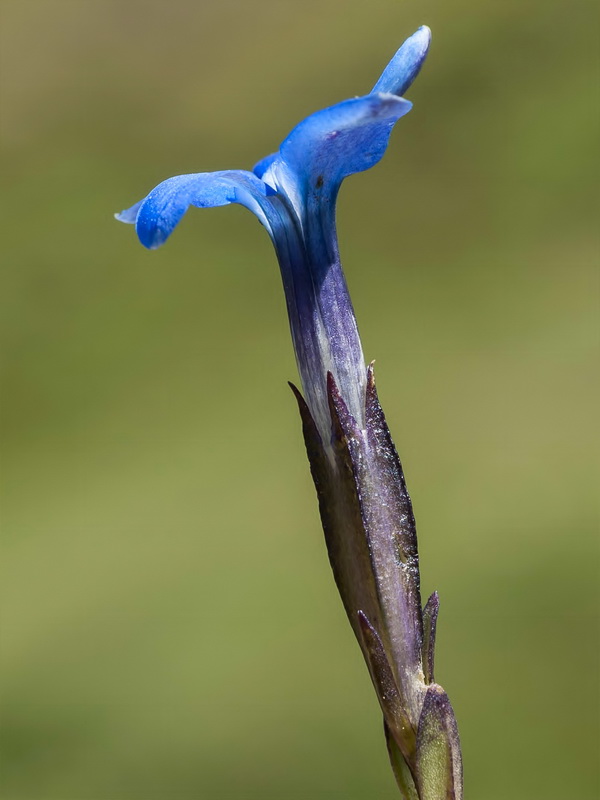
405	65
331	144
346	138
159	213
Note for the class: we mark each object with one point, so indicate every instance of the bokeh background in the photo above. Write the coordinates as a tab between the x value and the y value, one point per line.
170	625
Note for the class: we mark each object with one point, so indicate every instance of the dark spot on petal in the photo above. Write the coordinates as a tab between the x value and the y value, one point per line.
319	181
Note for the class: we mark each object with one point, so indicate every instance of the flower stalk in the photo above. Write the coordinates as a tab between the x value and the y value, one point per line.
365	508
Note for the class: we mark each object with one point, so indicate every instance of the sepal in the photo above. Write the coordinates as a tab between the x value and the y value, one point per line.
430	615
370	533
387	690
339	507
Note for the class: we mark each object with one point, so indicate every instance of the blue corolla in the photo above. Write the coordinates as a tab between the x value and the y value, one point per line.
293	193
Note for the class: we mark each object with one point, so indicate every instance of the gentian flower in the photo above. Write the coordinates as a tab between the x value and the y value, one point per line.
365	507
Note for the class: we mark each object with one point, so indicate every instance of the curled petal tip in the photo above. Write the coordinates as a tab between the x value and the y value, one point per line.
424	33
404	67
128	215
419	42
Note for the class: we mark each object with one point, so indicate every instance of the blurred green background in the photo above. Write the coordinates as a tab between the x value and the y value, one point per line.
170	625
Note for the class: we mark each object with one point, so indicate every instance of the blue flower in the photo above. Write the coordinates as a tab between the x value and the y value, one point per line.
293	193
364	504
